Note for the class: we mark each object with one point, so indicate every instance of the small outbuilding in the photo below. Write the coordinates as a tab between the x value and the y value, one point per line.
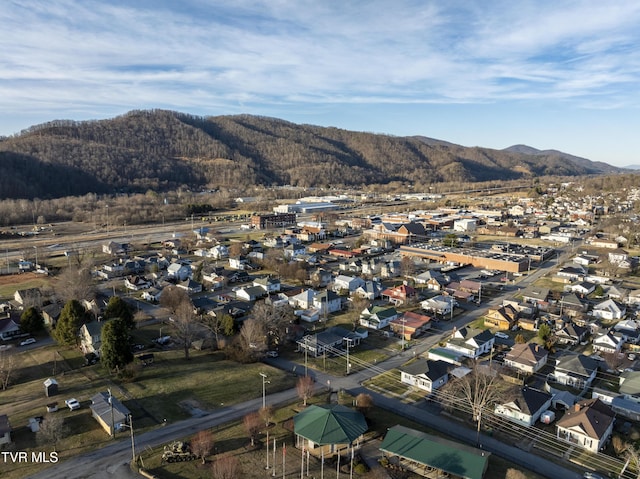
50	387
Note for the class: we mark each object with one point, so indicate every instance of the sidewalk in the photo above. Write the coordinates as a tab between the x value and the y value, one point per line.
370	452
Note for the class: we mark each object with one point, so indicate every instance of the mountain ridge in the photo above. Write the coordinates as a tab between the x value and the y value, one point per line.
161	150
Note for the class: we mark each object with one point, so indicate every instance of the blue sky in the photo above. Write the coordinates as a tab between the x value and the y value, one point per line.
549	74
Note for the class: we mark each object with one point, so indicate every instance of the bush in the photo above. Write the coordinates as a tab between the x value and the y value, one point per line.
361	468
384	462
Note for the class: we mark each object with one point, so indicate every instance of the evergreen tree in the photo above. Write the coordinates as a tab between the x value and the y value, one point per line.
31	321
71	318
119	308
116	350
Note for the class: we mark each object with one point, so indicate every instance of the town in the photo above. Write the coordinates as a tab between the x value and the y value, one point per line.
492	334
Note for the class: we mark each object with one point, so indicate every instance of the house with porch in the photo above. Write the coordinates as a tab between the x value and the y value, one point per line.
471	342
91	337
574	370
526	358
525	406
588	424
347	283
378	317
502	318
609	310
411	325
399	295
110	413
327	341
425	374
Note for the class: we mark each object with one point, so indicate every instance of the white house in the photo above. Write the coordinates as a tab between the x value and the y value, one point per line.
527	358
526	407
378	317
608	342
425	374
588	424
471	342
609	310
348	283
577	371
179	271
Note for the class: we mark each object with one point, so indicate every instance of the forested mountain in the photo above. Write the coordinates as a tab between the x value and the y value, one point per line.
163	150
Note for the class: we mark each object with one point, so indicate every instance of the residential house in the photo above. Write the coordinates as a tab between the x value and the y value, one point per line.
390	269
583	288
327	302
110	413
302	300
471	342
239	263
91	337
572	306
432	279
399	295
525	407
28	297
425	374
292	250
411	325
320	278
331	341
268	283
369	290
5	430
535	295
571	334
608	342
152	295
51	313
113	248
250	293
179	271
190	286
617	293
633	298
526	358
347	283
609	310
136	283
9	329
441	304
502	318
575	370
588	424
378	317
572	273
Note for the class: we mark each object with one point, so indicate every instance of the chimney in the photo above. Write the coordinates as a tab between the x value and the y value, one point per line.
576	407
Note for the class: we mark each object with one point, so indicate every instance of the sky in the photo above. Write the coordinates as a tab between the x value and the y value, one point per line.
550	74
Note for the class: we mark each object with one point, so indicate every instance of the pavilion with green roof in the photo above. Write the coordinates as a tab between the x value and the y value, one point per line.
328	429
425	454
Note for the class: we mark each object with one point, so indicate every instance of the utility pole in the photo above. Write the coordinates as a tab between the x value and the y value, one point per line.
348	340
264	381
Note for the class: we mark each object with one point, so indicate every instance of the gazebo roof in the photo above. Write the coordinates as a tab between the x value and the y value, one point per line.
330	425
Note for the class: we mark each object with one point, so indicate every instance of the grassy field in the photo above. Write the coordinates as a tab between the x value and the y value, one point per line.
168	389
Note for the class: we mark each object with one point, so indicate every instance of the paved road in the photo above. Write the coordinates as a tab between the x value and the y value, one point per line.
113	461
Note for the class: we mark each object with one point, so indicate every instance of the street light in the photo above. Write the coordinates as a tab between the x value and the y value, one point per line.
264	382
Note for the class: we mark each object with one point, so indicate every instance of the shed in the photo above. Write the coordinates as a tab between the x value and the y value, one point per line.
51	387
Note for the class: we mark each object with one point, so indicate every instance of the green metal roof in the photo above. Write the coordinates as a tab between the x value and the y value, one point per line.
449	456
330	425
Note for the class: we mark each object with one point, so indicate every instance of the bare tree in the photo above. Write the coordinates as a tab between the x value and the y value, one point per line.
356	306
633	456
305	387
172	297
52	430
7	365
477	390
226	467
407	266
252	424
75	282
253	337
185	325
202	444
275	321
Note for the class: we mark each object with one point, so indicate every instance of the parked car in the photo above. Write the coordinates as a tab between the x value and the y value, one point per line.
592	475
27	341
272	354
501	335
72	404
